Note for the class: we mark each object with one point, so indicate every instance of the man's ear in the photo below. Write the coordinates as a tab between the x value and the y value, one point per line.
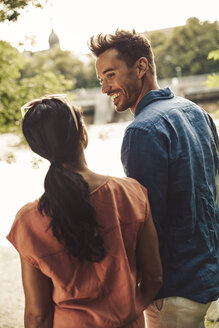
142	66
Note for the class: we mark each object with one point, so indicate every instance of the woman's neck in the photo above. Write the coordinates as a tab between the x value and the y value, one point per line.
93	179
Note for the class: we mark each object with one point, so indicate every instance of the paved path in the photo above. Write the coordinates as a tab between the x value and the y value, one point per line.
11	292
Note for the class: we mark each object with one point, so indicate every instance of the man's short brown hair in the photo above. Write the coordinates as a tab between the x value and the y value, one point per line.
130	45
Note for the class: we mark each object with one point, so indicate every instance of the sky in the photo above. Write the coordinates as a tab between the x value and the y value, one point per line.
75	21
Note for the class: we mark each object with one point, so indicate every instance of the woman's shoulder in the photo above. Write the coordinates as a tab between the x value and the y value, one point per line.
30	232
28	208
28	222
124	196
127	184
123	185
26	213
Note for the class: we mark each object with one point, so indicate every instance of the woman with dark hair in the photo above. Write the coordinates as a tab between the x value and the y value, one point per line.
88	247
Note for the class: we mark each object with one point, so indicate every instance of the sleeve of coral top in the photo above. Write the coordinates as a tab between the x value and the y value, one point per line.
21	237
31	234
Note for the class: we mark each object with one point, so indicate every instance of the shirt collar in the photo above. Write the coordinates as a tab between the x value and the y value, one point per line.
152	96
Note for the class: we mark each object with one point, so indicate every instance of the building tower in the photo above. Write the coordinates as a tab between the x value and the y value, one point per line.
53	40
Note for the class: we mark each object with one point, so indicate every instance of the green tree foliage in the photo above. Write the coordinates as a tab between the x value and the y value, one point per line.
16	89
10	65
213	80
85	75
30	75
214	54
64	63
10	9
186	47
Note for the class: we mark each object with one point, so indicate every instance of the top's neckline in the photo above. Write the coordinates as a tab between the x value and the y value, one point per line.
101	185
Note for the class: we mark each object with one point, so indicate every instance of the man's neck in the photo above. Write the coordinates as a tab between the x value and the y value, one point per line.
147	87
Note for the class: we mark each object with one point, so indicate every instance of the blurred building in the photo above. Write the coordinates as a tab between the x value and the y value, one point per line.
53	40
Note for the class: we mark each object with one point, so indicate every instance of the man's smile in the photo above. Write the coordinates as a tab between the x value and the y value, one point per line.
115	97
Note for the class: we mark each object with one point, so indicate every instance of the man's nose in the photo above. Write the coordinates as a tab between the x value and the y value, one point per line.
105	87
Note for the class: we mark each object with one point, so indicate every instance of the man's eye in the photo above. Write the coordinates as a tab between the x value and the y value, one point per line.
110	75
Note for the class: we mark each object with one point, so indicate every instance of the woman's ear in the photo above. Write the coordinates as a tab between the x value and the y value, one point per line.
84	137
142	67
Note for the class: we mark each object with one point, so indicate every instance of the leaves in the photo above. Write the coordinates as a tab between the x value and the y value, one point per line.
214	54
16	88
24	77
187	47
213	80
10	9
81	75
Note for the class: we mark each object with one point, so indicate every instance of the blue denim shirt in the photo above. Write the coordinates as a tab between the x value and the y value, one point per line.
169	148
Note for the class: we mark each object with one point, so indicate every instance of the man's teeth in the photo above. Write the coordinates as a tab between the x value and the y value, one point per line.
114	96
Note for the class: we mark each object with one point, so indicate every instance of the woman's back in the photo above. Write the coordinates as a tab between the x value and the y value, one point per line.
91	294
80	243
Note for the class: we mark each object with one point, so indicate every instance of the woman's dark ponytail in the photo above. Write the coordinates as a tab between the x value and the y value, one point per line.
66	200
49	128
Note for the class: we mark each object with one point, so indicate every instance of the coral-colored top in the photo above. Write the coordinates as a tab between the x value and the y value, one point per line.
88	294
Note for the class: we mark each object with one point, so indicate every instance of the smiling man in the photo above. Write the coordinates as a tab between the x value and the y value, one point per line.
121	78
170	149
121	82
